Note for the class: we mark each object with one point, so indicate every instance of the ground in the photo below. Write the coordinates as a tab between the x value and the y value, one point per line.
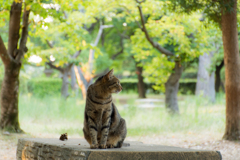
229	150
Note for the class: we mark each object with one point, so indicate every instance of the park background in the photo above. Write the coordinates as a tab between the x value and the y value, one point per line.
168	55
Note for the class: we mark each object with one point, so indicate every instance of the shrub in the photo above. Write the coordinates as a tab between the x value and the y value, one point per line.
42	87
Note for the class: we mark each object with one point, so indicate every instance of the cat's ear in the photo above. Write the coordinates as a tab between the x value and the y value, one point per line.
109	75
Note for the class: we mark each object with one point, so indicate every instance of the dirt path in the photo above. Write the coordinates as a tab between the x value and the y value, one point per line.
229	150
7	150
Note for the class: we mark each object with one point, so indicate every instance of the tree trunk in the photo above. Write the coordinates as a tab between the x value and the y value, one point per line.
141	84
232	73
65	71
9	98
73	79
64	89
65	82
12	63
171	87
218	82
82	82
205	81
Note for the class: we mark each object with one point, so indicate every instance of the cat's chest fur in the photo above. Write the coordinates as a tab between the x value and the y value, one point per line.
99	109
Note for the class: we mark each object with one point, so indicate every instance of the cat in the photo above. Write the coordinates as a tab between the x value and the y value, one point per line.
103	125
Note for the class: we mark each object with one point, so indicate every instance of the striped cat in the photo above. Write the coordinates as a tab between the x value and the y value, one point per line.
103	125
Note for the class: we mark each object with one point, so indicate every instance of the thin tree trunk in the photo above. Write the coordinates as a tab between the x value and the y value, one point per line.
141	84
218	82
205	81
232	73
73	79
65	83
171	87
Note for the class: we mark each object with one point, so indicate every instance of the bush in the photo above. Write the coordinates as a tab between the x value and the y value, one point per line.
42	87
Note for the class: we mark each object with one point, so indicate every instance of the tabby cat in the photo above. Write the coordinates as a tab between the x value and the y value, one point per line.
103	125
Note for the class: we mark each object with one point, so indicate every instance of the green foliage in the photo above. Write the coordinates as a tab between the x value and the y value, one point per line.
67	38
158	70
65	24
172	31
212	10
42	87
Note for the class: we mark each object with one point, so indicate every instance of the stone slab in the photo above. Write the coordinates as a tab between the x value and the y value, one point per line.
78	149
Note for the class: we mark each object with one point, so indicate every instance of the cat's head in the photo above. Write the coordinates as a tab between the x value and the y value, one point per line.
110	82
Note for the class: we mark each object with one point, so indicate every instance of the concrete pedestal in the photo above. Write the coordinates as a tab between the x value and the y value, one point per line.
78	149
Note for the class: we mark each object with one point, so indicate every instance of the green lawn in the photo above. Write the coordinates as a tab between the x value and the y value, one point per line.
55	116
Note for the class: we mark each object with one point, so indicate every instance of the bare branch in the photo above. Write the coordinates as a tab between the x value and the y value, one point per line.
154	44
54	67
120	52
49	43
77	54
65	15
3	52
100	33
140	1
117	54
91	53
91	28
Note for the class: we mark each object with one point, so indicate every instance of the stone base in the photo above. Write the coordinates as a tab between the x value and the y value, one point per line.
78	149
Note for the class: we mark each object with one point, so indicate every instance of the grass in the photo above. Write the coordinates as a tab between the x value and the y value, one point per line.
54	116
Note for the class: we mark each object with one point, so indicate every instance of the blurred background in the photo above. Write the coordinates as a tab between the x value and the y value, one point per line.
168	56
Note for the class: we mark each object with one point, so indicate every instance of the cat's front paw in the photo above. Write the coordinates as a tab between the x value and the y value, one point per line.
94	146
103	146
110	146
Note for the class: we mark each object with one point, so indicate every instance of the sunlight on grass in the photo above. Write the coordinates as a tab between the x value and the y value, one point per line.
52	115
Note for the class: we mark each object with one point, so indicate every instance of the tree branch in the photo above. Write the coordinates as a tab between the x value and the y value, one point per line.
49	43
65	15
154	44
90	29
140	1
14	26
130	14
100	33
221	64
54	67
3	52
77	54
120	52
24	36
91	52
